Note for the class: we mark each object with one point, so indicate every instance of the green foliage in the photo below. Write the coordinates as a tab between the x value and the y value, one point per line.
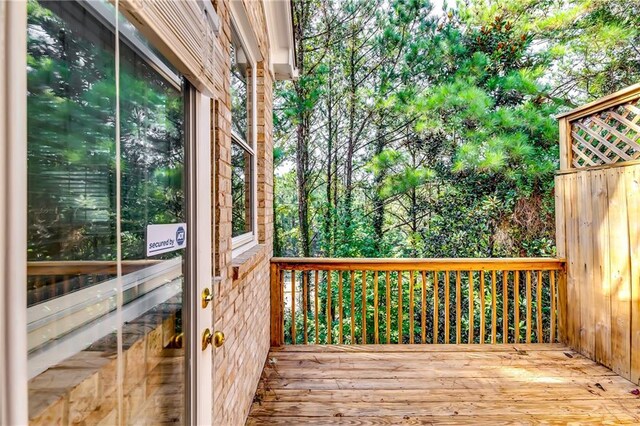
454	135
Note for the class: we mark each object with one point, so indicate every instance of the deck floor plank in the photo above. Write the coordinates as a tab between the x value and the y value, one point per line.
457	384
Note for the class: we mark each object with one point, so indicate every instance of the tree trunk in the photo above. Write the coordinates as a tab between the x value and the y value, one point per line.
348	196
329	212
378	202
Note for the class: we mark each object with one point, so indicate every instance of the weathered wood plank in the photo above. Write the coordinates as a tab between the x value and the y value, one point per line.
545	393
502	419
601	270
449	408
573	268
632	175
424	348
620	267
585	264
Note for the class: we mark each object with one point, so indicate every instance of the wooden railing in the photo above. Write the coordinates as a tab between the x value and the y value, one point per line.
373	301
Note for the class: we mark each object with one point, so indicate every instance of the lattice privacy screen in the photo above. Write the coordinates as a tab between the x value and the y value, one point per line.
607	137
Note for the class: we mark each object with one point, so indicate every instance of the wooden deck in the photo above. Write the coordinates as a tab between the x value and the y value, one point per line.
439	384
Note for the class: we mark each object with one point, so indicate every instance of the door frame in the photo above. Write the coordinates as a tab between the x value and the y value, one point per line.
198	361
13	213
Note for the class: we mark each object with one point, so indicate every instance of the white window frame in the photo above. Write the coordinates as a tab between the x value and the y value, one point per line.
242	243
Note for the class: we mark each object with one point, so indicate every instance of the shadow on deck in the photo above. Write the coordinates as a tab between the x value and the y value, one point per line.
439	384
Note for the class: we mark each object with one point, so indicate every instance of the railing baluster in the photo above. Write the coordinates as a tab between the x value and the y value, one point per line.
516	306
493	307
423	308
388	306
471	306
304	306
375	308
411	312
282	300
399	307
458	309
539	306
317	306
364	307
340	308
447	301
552	282
529	306
435	308
329	317
482	319
505	306
293	307
353	308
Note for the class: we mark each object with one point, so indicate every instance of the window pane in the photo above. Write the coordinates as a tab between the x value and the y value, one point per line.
239	90
241	160
71	149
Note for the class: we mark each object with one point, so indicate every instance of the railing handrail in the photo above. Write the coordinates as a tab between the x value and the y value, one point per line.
418	264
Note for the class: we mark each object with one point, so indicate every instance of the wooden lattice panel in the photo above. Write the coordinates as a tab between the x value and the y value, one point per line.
607	137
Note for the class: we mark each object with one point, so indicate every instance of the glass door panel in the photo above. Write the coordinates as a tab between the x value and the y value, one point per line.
106	331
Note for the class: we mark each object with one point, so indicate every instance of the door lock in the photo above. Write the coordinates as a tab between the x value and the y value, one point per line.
206	297
216	338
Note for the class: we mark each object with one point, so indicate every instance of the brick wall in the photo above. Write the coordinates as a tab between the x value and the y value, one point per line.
241	307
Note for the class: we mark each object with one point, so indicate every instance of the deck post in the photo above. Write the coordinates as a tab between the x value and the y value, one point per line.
277	306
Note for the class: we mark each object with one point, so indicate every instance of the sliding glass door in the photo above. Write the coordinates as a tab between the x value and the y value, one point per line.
107	222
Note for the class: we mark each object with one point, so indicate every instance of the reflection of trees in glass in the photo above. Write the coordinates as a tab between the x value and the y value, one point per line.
71	147
240	190
238	93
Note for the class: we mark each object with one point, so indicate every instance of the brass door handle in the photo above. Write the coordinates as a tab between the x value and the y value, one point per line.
217	339
207	297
